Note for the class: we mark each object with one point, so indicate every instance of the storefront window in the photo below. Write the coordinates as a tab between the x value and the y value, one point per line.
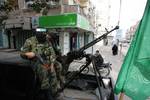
86	38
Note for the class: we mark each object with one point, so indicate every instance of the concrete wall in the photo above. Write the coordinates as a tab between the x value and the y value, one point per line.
80	40
90	50
64	42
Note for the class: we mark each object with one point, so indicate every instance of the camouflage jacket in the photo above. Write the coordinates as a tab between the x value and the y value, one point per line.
45	49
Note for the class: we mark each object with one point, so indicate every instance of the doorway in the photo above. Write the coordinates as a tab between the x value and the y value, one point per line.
73	41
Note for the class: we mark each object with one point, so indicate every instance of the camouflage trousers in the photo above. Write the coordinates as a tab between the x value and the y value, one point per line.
59	74
49	80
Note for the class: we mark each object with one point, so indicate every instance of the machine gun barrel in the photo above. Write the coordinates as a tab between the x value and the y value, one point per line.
97	40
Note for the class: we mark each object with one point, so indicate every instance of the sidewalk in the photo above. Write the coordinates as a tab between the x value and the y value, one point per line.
116	61
123	51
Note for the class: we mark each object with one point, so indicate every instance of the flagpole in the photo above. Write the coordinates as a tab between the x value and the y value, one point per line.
121	96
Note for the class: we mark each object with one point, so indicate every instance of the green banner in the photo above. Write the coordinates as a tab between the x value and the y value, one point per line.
83	23
58	21
69	20
134	76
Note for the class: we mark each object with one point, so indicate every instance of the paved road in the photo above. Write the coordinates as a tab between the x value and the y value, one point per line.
115	60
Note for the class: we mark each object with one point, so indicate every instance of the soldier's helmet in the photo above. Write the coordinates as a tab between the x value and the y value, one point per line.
41	34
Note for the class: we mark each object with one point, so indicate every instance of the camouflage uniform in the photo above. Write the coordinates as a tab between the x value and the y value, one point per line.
47	78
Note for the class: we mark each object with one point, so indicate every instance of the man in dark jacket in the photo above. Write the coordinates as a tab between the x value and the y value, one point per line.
98	59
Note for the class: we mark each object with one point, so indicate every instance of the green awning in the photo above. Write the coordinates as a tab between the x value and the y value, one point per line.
69	20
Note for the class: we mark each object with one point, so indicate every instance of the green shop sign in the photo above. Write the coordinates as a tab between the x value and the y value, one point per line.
64	20
83	23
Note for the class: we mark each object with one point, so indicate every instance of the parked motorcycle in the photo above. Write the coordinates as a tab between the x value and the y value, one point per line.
104	69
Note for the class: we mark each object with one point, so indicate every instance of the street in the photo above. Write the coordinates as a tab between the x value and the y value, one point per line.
116	61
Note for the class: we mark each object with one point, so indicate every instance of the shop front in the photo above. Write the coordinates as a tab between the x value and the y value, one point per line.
70	28
17	30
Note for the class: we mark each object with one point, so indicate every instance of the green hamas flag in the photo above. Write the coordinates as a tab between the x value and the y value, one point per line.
134	76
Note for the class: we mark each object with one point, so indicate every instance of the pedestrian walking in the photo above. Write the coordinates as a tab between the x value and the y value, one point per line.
115	47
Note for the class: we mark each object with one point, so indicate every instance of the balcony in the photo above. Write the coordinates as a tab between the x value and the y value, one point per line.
73	9
83	3
55	10
77	9
14	13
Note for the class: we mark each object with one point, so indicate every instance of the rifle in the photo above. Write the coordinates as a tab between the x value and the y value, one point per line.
39	57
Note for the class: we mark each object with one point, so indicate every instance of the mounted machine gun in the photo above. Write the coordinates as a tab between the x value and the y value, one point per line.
79	54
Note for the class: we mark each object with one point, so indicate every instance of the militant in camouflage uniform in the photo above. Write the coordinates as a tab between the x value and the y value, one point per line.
46	75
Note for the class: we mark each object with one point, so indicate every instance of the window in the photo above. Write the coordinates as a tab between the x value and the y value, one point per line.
86	38
69	2
1	2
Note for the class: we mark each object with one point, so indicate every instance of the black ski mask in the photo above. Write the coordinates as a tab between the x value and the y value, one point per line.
41	37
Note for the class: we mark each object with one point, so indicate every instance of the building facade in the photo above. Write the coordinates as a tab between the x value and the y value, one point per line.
72	29
2	14
103	18
23	20
130	32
